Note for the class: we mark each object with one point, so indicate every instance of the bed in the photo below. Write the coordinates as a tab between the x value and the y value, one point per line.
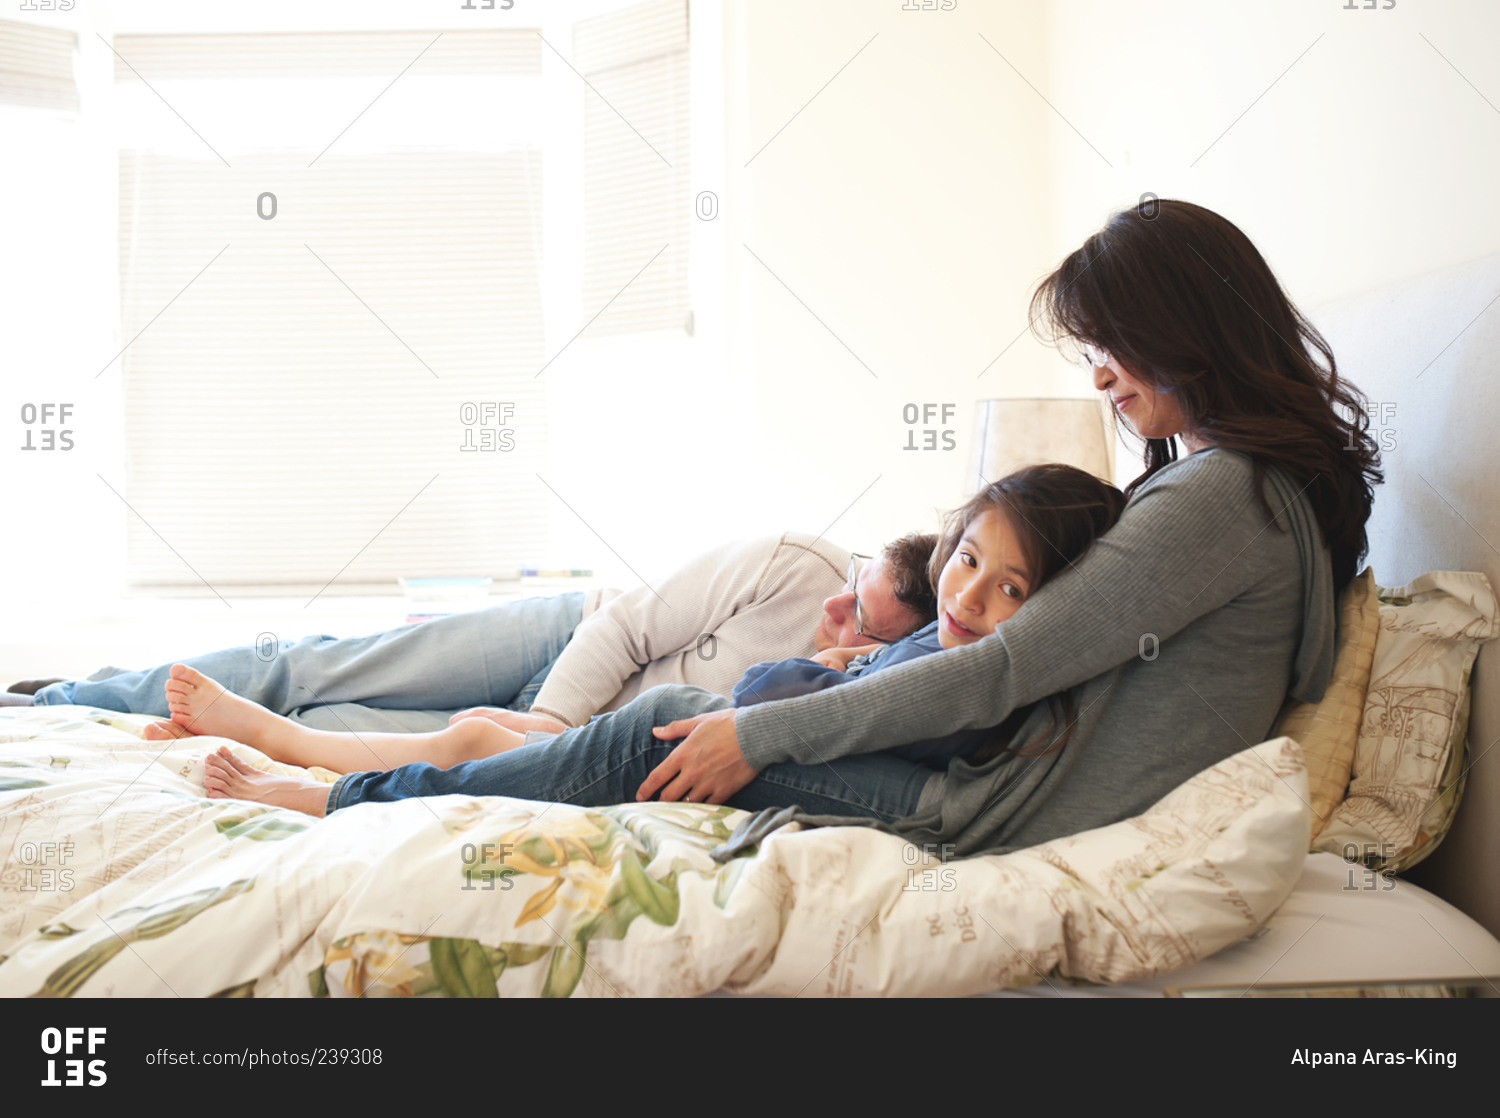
122	879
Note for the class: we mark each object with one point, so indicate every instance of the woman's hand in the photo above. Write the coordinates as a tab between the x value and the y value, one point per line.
706	768
838	658
512	719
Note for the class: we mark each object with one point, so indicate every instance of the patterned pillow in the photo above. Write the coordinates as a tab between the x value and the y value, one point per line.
1328	730
1409	762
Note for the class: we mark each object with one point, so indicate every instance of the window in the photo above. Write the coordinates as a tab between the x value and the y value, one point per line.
333	315
637	208
36	67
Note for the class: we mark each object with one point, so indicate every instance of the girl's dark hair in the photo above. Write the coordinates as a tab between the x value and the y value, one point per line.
1183	301
1056	512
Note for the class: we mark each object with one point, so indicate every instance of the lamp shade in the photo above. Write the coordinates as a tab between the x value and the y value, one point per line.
1009	434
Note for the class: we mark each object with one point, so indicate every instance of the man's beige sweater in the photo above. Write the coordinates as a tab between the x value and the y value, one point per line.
739	604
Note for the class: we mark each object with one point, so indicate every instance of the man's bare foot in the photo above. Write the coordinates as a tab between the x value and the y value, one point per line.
164	731
226	777
203	706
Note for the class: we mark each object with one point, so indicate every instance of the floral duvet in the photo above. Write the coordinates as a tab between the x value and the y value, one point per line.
122	879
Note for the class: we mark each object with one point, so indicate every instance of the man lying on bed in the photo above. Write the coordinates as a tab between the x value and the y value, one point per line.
532	665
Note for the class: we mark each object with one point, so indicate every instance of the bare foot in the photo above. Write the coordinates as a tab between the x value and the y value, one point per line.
164	731
469	739
202	706
226	777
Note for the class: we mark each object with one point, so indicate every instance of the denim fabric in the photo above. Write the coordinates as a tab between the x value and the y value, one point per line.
404	680
605	762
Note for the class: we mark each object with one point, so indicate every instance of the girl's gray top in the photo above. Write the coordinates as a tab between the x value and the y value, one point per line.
1177	637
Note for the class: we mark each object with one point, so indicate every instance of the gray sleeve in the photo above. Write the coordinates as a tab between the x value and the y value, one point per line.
1177	553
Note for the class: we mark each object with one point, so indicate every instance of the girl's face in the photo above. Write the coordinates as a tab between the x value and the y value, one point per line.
983	582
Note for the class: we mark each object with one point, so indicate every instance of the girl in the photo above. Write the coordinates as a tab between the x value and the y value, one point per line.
1179	634
996	551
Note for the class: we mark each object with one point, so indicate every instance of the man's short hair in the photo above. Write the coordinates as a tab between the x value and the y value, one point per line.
908	558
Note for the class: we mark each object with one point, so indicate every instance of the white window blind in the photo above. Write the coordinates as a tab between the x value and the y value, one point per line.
319	54
344	393
36	67
635	167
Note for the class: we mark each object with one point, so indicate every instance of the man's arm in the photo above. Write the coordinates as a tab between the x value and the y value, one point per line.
671	618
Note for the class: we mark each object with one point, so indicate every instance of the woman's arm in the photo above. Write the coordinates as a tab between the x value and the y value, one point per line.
1171	559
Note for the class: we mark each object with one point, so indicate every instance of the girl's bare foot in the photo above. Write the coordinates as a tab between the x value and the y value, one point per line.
226	777
202	706
468	739
164	731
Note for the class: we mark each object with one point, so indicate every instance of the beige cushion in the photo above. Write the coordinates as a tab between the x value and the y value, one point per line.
1328	730
1409	761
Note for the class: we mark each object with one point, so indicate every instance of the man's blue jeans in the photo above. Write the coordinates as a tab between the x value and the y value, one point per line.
404	680
605	762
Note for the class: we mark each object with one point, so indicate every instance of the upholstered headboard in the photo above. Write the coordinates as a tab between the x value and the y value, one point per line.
1427	353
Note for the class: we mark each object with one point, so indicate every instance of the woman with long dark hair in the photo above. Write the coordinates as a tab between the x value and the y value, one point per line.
1180	633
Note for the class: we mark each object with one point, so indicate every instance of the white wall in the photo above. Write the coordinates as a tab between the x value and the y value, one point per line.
1369	160
59	313
907	207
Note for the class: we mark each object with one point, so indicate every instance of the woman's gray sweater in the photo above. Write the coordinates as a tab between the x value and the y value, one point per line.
1177	637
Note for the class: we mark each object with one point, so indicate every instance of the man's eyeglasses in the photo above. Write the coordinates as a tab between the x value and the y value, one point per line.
859	614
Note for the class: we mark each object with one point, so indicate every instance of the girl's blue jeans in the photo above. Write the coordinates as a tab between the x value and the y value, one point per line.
606	761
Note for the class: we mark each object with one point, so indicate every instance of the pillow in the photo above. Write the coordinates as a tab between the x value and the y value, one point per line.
1409	762
1328	730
